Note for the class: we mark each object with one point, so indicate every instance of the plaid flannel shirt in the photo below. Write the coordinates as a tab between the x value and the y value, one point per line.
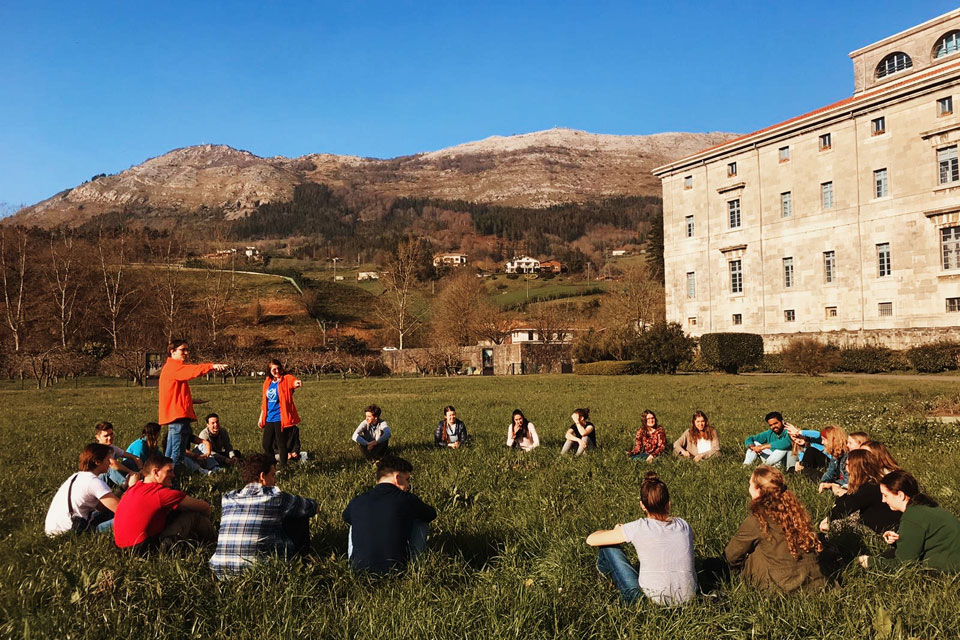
652	444
252	525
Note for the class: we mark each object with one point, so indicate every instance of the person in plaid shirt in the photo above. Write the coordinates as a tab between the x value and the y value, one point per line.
651	439
259	519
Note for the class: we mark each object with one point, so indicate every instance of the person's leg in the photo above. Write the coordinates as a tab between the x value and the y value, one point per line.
582	448
350	543
775	457
175	441
267	441
712	573
116	478
189	525
751	457
612	562
566	446
101	521
366	453
792	459
418	539
293	442
380	450
298	530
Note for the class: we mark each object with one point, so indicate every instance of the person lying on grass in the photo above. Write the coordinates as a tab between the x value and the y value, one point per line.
770	446
153	514
664	546
388	524
521	433
260	520
863	503
84	502
450	432
123	464
581	433
651	439
928	534
373	434
776	547
700	441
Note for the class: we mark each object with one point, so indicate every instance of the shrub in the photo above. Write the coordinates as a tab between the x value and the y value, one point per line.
731	351
810	356
772	363
696	365
870	359
609	368
664	347
934	358
588	347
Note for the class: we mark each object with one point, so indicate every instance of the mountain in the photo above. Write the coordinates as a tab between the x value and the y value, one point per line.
529	170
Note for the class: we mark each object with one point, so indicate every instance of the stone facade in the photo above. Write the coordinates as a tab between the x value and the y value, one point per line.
833	221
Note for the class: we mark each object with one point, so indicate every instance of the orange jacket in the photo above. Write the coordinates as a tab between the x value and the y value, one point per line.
288	412
176	403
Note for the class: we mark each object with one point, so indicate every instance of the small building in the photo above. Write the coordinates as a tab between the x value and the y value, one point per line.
552	266
522	264
526	334
617	253
251	252
367	275
450	260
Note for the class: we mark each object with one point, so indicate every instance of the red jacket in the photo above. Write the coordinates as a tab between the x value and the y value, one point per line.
176	403
288	412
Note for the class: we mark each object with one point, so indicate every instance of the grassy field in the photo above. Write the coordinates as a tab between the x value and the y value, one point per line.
506	557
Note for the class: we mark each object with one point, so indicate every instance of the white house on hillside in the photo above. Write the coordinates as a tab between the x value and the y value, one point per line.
450	259
523	264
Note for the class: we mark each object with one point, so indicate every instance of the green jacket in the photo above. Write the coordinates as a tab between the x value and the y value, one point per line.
929	535
765	560
777	442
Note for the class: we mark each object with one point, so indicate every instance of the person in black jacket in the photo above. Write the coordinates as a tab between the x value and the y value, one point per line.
863	498
388	524
450	432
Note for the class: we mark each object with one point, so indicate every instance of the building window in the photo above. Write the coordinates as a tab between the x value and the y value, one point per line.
880	183
950	247
788	272
692	321
786	204
784	154
893	63
830	312
691	285
688	182
733	208
953	305
885	309
878	126
738	317
826	195
689	220
530	336
829	266
825	142
731	169
947	45
789	315
883	259
947	163
736	276
945	106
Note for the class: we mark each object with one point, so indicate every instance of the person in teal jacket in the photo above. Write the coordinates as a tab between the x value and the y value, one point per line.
770	446
928	534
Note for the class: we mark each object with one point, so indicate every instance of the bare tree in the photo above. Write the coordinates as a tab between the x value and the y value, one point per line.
166	281
458	309
129	363
494	324
221	284
120	297
65	280
13	275
395	306
637	301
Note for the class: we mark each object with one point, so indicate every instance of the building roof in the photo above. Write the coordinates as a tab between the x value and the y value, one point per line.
840	105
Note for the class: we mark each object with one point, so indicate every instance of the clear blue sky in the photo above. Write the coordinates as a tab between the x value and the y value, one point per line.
90	87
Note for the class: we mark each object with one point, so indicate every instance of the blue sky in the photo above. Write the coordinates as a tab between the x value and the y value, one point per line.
91	87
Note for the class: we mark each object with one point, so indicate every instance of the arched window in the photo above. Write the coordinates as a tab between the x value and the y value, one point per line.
893	63
948	44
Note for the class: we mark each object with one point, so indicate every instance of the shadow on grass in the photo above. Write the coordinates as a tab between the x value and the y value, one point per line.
477	549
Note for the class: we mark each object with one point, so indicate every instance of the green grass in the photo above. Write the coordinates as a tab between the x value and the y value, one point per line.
506	557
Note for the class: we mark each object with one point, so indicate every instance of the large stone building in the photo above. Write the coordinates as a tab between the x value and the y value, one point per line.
844	222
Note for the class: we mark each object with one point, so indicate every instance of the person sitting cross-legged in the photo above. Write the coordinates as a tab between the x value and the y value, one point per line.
770	446
260	520
373	434
388	524
123	464
152	514
84	502
215	443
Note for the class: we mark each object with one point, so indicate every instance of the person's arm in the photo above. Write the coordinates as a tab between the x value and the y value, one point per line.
587	431
359	439
421	510
462	433
126	455
637	443
750	441
606	537
109	501
193	504
680	445
385	434
532	430
659	441
571	435
852	503
743	542
298	507
912	535
510	438
830	475
187	372
438	435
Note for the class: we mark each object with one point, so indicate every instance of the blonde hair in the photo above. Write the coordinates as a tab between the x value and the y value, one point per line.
834	440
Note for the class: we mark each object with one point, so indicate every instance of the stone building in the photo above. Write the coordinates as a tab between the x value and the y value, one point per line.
843	222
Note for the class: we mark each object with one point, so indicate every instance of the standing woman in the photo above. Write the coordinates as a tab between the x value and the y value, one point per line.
521	433
451	432
700	441
581	433
651	439
929	534
776	546
277	411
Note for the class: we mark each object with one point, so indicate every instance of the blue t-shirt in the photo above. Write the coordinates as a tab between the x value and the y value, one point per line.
273	403
139	448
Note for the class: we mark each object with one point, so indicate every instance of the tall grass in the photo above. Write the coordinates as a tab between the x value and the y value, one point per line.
506	557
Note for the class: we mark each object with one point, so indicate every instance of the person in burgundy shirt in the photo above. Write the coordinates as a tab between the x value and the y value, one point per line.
151	513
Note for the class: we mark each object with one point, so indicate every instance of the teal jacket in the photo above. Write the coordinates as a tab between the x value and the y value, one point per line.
777	442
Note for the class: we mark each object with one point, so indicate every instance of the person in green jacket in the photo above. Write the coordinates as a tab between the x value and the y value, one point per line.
772	445
928	534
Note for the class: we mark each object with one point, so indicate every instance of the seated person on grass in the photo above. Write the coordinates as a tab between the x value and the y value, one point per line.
388	524
807	453
260	520
373	434
664	547
837	445
148	444
581	433
700	441
84	498
863	503
215	443
152	514
522	434
770	446
651	439
450	433
123	464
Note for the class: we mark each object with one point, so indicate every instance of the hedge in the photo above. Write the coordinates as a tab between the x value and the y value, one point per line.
609	368
934	358
731	351
867	359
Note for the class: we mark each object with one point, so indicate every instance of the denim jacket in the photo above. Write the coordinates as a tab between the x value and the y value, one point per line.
837	471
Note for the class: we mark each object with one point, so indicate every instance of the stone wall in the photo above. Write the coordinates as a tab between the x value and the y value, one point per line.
890	338
508	359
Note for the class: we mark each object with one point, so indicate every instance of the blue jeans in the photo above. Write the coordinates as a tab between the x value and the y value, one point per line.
612	562
178	435
101	521
768	456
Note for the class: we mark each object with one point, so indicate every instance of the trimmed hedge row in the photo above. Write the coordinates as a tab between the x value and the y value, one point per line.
610	368
731	351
